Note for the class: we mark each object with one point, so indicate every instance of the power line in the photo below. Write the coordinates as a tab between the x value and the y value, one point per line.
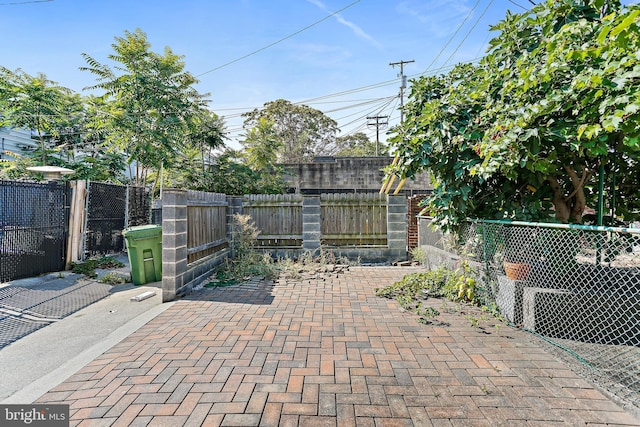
380	122
455	33
348	107
403	82
279	41
519	5
468	32
25	2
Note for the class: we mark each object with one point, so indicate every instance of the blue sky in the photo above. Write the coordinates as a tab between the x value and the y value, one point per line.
339	65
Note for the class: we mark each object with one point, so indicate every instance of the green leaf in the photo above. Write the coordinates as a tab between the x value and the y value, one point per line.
603	34
625	23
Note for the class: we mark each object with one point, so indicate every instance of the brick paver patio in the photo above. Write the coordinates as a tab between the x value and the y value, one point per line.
327	352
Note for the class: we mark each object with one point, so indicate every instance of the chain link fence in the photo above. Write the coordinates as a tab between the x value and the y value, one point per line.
577	287
33	228
112	208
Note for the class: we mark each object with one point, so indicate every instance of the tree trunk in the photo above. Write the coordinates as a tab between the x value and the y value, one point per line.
578	202
559	203
571	207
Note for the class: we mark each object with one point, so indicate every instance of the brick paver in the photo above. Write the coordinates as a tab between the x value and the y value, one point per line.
327	352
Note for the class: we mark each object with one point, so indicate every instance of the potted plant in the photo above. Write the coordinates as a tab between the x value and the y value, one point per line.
519	253
516	270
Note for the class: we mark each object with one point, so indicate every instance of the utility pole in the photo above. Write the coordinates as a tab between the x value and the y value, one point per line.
403	83
378	124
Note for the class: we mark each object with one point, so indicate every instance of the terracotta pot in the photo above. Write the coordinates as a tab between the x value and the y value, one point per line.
516	270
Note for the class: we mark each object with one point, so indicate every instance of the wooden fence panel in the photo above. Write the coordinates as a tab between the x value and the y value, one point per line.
206	225
278	217
354	219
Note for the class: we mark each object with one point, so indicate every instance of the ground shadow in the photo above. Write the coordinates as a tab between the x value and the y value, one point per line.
253	291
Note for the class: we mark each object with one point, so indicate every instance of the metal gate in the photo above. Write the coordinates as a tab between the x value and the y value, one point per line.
33	228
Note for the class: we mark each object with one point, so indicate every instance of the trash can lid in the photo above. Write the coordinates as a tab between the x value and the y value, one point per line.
150	230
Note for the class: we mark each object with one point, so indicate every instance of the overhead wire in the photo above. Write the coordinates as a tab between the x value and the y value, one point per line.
455	33
25	2
324	98
519	5
278	41
317	100
368	112
475	24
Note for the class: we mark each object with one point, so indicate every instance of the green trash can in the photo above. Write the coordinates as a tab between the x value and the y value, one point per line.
144	247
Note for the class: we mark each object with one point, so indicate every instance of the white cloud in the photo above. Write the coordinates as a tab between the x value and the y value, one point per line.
440	16
359	32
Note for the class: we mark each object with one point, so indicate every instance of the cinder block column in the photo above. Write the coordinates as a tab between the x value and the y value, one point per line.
311	223
174	242
397	226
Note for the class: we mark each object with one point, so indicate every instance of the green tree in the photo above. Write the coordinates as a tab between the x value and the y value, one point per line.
152	101
206	133
529	128
261	145
35	103
6	78
358	145
230	175
300	132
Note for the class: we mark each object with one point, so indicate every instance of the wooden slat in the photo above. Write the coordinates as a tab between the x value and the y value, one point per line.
206	230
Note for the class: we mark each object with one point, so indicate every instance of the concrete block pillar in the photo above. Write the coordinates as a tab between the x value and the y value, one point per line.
311	223
397	226
174	242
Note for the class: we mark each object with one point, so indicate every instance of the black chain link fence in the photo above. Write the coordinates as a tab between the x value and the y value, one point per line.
139	210
111	209
577	287
34	221
33	228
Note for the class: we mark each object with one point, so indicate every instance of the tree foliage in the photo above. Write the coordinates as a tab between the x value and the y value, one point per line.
298	132
35	103
262	145
206	133
526	131
358	145
231	175
58	119
152	101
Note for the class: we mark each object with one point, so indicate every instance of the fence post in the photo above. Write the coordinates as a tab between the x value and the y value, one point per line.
397	227
311	223
77	223
174	242
127	203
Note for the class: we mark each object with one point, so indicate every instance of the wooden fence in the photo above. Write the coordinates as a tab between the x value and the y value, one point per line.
347	219
206	224
278	217
196	225
354	219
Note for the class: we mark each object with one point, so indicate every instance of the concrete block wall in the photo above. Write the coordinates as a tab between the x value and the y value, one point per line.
174	242
178	276
397	214
352	174
311	223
